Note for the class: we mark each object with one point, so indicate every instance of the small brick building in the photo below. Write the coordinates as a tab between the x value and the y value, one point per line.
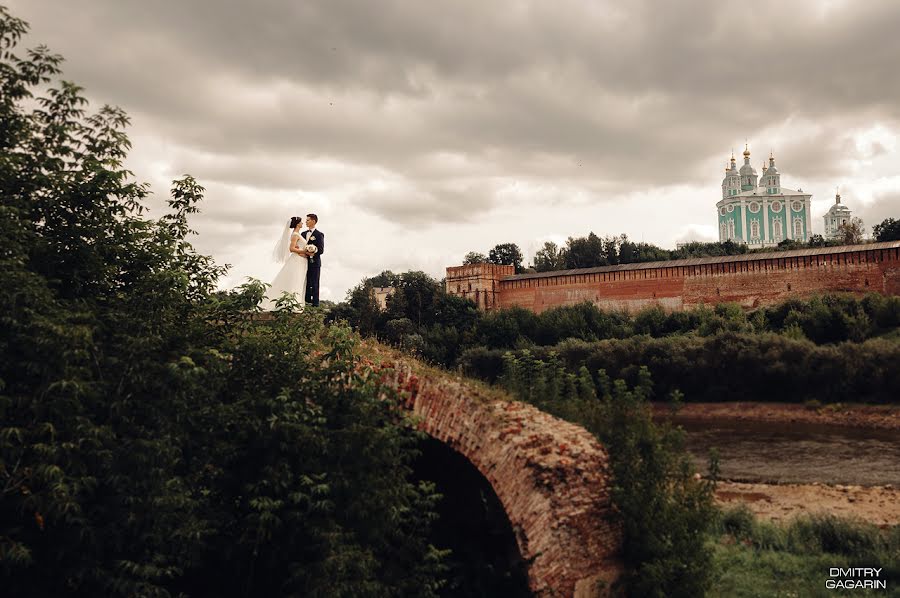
751	280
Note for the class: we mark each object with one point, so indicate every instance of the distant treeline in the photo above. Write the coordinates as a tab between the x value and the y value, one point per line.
724	367
830	348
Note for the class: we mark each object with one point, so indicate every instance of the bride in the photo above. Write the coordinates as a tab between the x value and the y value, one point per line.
289	250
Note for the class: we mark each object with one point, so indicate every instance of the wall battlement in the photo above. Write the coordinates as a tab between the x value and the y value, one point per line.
478	282
751	280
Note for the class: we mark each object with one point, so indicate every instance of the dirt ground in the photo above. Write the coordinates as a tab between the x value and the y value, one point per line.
877	504
881	417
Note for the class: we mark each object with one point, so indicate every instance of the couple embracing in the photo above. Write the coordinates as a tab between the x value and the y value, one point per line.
301	252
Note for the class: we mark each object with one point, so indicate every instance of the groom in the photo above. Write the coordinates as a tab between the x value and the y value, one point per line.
317	238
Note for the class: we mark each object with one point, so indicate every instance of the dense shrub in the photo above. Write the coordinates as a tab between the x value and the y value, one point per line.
505	327
730	366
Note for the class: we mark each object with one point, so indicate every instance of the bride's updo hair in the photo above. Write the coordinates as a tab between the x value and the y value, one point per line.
295	220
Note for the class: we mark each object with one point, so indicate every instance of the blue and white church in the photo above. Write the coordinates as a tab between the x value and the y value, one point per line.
757	210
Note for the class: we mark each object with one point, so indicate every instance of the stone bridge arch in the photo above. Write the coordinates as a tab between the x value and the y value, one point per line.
552	478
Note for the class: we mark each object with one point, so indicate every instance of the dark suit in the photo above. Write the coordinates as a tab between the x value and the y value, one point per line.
315	266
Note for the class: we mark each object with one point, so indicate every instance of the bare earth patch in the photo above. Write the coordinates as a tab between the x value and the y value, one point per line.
880	417
877	504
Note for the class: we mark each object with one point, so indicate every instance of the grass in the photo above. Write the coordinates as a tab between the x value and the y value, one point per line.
760	558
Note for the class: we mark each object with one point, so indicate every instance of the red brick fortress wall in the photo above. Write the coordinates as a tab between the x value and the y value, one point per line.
478	282
751	280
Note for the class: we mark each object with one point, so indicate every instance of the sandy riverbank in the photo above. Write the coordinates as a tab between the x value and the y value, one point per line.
878	504
880	417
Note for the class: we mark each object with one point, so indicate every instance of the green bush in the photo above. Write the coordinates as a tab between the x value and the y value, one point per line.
738	522
834	535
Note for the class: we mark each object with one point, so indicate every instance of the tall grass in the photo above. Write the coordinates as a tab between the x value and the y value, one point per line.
754	557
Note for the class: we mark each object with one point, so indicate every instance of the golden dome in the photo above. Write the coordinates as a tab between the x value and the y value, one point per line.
746	151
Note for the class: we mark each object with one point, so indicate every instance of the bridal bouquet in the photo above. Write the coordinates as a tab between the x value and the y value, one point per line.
312	248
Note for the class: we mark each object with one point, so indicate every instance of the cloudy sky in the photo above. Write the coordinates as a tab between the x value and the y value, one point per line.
419	131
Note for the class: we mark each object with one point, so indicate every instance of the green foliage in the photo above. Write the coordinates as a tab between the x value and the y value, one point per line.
817	241
506	254
473	257
715	249
851	232
665	511
630	252
887	230
584	252
156	439
756	557
769	367
505	328
549	258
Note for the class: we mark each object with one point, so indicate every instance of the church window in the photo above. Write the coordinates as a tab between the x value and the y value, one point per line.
798	228
797	206
754	229
754	207
776	206
776	229
731	229
722	210
723	231
730	208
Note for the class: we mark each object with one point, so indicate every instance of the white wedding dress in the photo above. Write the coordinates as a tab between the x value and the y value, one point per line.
291	278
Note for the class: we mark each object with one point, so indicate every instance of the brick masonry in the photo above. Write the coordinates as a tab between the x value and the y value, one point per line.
552	478
751	280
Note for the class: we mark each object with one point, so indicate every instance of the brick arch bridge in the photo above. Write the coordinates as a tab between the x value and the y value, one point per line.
552	478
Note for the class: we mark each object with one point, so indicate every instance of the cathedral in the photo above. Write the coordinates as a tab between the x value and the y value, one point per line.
837	215
757	210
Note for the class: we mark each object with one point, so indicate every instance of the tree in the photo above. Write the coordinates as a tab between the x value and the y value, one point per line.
385	279
714	249
888	230
507	254
585	252
611	249
642	252
416	297
817	241
473	257
548	258
851	232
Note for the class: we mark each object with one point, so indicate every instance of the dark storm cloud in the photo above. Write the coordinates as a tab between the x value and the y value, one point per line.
640	93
